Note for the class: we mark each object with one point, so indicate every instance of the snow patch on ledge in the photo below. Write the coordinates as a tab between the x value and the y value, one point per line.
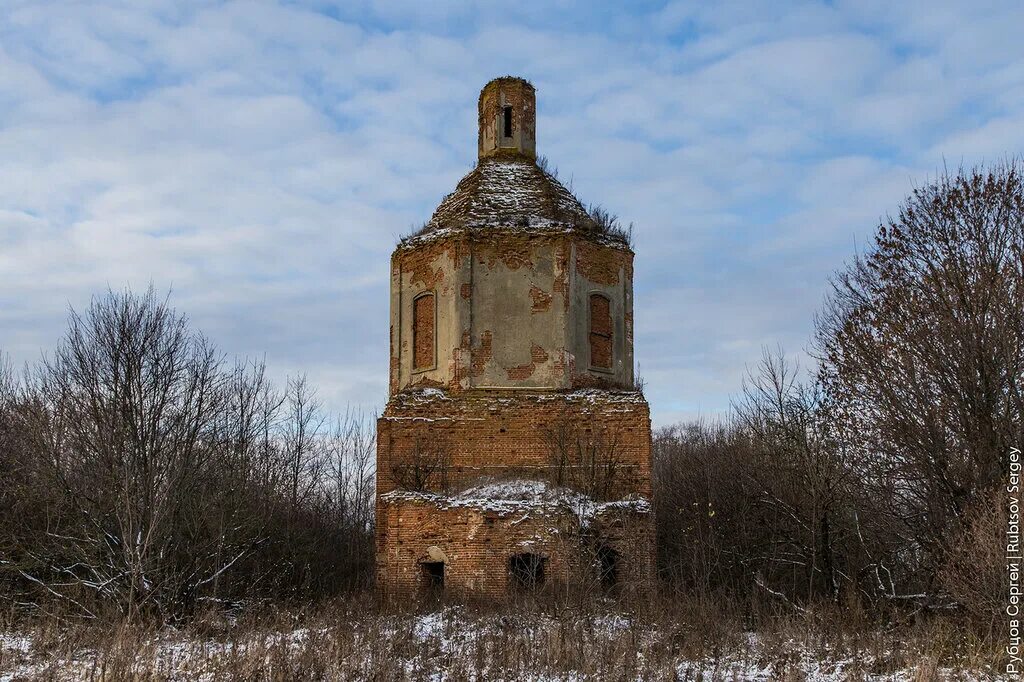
535	229
421	396
522	496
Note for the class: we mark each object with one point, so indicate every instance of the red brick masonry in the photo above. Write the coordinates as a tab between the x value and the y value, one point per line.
489	466
478	531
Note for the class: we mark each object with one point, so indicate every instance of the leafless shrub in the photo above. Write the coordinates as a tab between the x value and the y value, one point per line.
546	167
147	477
639	382
584	458
975	571
607	224
414	231
425	468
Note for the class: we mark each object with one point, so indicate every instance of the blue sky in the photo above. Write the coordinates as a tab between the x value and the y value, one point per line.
261	158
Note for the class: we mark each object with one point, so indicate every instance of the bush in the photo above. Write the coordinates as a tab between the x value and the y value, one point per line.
975	571
146	476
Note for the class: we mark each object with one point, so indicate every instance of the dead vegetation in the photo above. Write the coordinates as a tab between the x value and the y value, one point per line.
607	225
587	460
143	476
876	483
850	520
363	639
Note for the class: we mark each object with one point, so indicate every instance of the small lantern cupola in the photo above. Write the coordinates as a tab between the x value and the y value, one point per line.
508	118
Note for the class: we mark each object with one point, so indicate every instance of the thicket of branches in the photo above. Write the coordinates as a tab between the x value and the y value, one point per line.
142	473
881	478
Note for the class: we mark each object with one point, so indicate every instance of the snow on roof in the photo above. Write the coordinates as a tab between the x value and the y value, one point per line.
509	193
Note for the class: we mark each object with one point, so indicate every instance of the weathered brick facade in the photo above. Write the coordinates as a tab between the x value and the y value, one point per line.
514	450
476	537
483	435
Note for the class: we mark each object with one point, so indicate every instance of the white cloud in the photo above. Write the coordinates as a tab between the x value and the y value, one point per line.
261	157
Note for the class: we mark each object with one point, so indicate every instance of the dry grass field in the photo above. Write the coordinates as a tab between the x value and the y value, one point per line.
362	639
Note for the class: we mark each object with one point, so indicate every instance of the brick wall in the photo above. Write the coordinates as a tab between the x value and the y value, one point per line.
515	433
477	543
600	332
423	332
501	435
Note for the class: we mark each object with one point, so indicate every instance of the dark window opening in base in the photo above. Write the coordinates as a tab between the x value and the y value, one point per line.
433	575
608	562
526	570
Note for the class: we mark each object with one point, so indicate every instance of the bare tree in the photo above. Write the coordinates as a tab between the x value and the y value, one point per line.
760	503
584	458
799	476
352	455
351	451
426	467
119	416
922	353
141	473
303	455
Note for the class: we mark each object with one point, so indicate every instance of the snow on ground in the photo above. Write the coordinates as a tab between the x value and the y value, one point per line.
11	643
446	645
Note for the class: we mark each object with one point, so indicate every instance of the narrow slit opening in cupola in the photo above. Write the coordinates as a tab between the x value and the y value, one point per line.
508	121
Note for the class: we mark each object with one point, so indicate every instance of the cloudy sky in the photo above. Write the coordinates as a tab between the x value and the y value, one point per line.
261	158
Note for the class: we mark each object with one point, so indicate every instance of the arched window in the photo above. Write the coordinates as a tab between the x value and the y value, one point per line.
526	571
432	575
600	332
423	331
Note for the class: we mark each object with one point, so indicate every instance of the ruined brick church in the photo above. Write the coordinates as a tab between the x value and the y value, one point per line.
514	453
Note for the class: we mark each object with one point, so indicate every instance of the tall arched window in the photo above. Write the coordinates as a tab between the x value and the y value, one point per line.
600	332
423	331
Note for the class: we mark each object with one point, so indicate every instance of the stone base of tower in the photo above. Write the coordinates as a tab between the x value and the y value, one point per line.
502	540
596	441
475	488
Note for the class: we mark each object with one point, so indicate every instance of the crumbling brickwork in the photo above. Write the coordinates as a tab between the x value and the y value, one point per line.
476	537
509	433
541	300
600	332
501	295
516	95
514	452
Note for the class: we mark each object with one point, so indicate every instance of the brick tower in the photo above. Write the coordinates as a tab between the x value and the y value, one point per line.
514	452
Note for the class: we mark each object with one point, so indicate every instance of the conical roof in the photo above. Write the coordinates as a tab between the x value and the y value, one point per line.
509	191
